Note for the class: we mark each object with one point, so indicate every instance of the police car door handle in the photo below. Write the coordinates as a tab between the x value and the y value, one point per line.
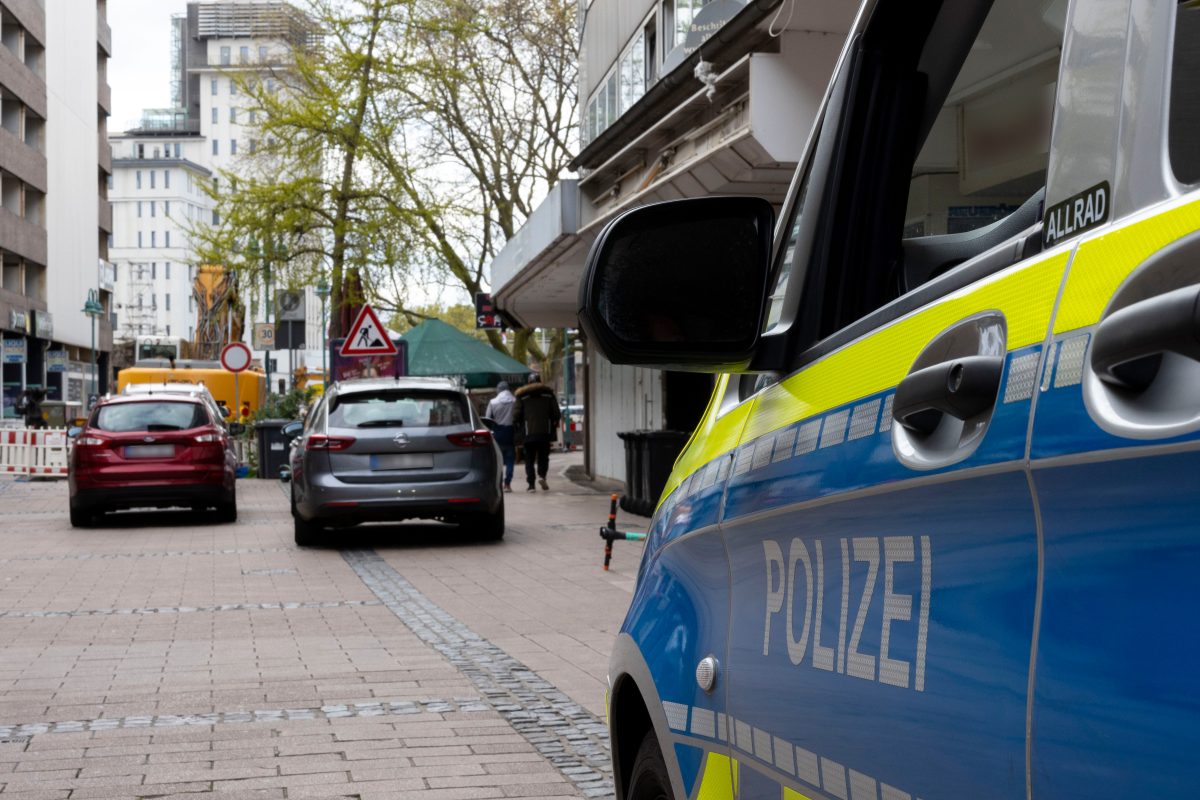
1128	344
961	388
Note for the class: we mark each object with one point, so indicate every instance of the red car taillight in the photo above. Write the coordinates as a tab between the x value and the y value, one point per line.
319	441
479	438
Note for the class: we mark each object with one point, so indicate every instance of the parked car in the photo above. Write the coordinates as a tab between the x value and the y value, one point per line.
392	449
937	533
152	450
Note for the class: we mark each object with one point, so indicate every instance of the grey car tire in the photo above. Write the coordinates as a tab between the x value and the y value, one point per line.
307	533
489	527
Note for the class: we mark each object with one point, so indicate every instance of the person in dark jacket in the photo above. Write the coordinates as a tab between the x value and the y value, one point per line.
537	410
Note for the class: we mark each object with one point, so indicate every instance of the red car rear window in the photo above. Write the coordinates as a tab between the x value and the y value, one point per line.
150	416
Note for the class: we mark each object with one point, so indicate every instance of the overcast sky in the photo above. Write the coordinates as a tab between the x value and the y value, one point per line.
139	70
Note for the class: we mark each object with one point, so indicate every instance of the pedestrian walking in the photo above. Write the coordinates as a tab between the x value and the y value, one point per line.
537	410
500	410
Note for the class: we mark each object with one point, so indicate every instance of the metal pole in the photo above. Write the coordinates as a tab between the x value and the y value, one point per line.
324	347
94	389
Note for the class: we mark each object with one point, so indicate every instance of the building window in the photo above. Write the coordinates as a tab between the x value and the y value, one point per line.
109	181
139	207
244	54
253	116
213	83
178	150
138	179
168	324
216	217
152	178
224	56
152	205
167	269
233	147
232	88
191	304
262	53
253	146
215	111
153	270
166	179
216	150
233	115
139	150
153	239
167	243
271	85
632	73
167	302
166	208
139	238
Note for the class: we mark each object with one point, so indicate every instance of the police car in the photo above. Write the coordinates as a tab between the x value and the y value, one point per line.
938	533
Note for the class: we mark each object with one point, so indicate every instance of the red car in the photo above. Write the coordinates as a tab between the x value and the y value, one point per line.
154	451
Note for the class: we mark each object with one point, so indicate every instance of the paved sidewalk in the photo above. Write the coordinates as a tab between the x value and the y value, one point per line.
167	656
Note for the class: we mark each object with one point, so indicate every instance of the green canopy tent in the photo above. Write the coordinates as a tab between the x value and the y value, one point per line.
438	349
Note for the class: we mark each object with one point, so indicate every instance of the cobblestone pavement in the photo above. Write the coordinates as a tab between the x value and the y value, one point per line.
164	655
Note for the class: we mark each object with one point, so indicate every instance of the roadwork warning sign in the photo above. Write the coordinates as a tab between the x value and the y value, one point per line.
367	336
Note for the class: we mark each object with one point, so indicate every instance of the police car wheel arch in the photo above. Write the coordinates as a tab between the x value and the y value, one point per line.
626	666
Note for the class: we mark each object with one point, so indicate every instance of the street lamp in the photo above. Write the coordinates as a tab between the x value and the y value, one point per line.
322	291
93	309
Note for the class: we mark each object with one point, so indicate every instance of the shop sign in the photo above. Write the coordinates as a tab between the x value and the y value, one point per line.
14	351
56	361
43	325
18	321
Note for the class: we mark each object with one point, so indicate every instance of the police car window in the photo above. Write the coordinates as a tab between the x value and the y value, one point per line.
987	152
1184	141
942	154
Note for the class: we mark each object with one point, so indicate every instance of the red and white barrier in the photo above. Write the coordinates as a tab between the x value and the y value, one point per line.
50	453
40	453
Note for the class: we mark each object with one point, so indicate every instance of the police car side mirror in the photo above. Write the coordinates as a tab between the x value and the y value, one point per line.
680	285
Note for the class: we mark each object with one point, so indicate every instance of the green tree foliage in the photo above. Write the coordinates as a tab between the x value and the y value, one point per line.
401	153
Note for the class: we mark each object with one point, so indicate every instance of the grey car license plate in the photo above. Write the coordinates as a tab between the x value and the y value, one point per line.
150	451
402	461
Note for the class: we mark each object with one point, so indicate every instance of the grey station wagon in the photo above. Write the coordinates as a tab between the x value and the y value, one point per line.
394	449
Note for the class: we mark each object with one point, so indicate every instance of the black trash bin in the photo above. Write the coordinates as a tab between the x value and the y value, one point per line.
659	451
649	458
632	499
272	447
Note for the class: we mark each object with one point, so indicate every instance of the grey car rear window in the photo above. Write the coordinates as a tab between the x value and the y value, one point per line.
151	416
398	408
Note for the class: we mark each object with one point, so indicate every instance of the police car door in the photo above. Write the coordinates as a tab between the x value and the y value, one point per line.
1115	451
879	516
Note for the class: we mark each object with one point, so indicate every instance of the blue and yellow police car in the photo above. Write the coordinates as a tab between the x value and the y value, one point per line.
938	532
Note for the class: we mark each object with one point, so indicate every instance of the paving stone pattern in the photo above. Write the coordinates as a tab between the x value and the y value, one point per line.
109	612
167	655
343	711
568	735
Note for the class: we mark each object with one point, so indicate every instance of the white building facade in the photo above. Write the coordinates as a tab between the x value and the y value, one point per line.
158	196
217	45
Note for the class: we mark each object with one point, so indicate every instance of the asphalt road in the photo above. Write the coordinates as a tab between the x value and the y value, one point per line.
164	655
